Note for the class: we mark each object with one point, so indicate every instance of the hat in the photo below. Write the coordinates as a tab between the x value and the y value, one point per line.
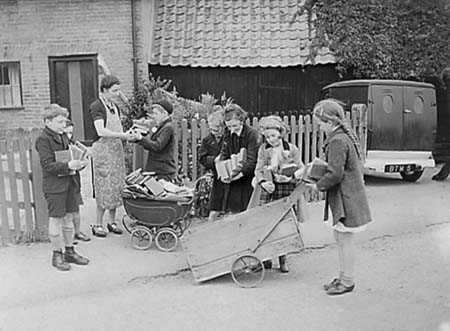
273	122
165	104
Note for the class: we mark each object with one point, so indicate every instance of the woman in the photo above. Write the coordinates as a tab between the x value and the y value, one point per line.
343	182
108	156
272	156
239	136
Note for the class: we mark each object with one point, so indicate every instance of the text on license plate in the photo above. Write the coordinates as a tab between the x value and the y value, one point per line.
399	167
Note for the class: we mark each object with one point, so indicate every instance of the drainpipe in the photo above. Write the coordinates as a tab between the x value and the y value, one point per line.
133	28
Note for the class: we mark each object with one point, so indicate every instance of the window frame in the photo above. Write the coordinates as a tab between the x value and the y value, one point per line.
12	107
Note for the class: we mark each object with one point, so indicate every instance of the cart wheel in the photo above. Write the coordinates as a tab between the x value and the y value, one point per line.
247	271
128	223
141	238
166	239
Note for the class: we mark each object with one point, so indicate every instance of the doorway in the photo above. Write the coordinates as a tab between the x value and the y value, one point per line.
74	85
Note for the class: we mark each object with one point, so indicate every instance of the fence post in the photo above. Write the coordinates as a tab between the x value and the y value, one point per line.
184	147
40	205
24	145
3	207
307	138
11	144
194	141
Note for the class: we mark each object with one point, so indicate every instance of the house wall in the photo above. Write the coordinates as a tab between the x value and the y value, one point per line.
257	90
33	30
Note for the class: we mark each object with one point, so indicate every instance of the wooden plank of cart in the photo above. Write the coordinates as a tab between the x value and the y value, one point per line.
239	243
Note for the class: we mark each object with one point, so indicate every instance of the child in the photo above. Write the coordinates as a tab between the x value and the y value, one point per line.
76	215
343	182
207	154
240	135
59	187
272	155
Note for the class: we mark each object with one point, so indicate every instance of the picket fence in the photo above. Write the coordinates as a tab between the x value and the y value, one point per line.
23	210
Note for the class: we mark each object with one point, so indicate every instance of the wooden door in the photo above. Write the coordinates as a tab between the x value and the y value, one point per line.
419	118
74	85
386	117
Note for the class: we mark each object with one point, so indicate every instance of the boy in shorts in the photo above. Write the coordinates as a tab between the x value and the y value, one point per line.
59	187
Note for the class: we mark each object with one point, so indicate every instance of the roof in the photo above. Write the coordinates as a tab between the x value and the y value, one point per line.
233	33
366	82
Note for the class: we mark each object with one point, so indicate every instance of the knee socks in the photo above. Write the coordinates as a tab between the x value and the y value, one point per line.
67	230
54	232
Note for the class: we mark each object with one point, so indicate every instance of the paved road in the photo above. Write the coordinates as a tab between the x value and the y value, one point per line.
403	268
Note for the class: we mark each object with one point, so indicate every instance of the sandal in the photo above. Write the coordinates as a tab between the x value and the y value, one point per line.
331	284
339	289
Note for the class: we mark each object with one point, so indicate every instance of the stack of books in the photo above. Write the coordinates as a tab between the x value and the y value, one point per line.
226	169
315	170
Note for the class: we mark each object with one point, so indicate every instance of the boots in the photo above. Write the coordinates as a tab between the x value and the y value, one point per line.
283	264
71	256
58	261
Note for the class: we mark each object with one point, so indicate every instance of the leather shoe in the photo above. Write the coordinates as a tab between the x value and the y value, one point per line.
97	230
267	264
58	261
339	289
283	264
81	236
71	256
112	227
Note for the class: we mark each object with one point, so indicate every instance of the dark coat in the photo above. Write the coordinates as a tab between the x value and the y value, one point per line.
343	182
241	190
55	175
160	146
209	149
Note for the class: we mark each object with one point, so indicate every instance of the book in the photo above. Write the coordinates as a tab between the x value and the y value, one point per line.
141	129
64	156
83	148
154	186
288	169
315	170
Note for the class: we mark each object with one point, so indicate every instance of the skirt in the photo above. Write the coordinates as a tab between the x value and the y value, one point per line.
109	172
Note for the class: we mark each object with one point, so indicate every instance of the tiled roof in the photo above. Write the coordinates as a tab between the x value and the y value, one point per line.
233	33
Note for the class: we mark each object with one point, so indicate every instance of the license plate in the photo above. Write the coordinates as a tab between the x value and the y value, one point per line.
400	167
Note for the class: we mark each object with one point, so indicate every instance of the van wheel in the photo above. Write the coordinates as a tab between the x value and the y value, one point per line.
411	176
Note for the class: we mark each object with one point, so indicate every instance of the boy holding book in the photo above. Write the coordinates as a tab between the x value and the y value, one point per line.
58	186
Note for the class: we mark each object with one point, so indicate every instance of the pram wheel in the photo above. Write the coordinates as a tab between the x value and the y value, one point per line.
128	223
166	239
247	271
141	238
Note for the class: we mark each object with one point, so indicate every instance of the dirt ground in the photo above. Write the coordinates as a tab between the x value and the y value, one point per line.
402	278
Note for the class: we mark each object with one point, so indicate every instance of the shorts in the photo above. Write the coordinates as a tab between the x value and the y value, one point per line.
59	204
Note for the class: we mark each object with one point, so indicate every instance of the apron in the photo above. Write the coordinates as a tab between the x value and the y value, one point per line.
109	164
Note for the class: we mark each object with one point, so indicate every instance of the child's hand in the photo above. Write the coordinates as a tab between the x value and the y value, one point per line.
269	187
282	178
76	164
299	173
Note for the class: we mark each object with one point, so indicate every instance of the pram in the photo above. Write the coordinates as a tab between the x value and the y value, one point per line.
162	217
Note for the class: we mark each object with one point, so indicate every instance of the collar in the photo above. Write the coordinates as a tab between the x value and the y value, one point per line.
284	142
240	131
157	128
55	135
332	134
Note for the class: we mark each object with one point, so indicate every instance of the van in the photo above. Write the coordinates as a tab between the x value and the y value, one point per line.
401	123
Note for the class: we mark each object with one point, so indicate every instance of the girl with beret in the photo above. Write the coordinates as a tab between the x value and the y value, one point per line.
272	155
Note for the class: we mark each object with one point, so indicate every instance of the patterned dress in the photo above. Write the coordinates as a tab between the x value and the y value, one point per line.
109	164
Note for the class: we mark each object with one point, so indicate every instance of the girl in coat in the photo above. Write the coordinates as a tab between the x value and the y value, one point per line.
272	155
344	186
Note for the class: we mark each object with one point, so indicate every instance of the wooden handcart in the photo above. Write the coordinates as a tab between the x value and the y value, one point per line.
239	243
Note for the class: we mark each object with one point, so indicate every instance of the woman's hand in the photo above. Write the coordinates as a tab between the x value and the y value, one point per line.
132	135
269	187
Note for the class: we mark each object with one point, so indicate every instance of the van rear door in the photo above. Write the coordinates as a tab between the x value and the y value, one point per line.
386	117
419	114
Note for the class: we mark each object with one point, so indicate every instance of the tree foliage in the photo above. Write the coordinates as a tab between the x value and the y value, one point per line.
397	39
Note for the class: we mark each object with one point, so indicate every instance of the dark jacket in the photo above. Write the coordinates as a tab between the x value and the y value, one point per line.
209	149
343	182
240	191
55	175
160	146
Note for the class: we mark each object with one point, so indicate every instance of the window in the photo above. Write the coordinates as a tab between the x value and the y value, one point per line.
10	89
